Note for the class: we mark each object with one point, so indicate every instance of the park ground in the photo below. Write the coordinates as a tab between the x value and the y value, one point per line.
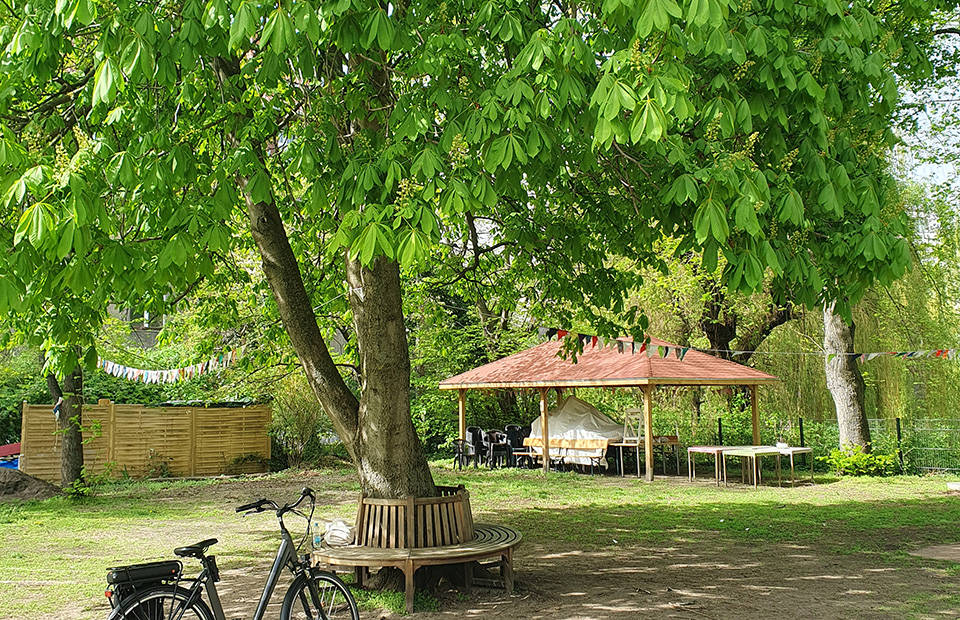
595	547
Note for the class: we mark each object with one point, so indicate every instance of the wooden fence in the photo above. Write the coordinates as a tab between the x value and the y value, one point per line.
138	441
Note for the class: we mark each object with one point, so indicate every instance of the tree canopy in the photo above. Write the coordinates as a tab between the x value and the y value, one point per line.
141	141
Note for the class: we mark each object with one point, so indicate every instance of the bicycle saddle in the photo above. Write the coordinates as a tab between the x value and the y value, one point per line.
195	551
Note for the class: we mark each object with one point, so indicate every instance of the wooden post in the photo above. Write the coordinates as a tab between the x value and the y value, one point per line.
545	430
193	442
462	412
648	429
112	430
755	414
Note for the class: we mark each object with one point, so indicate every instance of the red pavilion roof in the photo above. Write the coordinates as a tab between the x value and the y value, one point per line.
597	366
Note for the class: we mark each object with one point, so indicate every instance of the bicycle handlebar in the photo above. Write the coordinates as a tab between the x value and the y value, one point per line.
263	503
257	505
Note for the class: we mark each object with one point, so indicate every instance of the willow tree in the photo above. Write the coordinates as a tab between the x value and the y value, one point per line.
349	139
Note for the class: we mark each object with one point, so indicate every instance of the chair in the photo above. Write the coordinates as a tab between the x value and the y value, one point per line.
462	453
497	448
632	437
518	453
475	441
662	443
632	425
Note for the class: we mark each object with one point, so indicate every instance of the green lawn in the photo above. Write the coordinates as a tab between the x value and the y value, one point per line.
56	552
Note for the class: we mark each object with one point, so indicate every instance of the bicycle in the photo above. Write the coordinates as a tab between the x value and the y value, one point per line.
156	591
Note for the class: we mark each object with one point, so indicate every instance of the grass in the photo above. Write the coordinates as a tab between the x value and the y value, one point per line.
56	552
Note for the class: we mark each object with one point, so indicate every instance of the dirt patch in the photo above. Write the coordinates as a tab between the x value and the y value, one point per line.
949	553
16	485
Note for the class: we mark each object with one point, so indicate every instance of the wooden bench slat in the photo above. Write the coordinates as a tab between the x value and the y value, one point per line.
490	539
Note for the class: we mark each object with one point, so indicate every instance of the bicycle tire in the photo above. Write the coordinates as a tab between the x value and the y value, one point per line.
330	600
155	604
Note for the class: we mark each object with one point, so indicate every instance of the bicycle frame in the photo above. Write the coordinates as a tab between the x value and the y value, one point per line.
286	556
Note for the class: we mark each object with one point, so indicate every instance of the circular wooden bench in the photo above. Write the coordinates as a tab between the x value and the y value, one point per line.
415	532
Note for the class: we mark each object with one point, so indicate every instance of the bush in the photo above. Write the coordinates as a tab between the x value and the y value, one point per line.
299	424
853	461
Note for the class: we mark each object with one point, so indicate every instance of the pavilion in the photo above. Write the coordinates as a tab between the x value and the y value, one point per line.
619	364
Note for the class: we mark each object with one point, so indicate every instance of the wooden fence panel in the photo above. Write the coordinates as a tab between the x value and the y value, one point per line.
138	441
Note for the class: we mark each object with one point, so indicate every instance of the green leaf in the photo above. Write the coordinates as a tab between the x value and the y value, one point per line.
66	239
745	216
717	42
279	32
121	170
82	12
738	48
791	208
709	262
115	115
80	278
106	82
698	12
770	257
752	271
35	178
379	28
11	154
259	187
243	26
35	224
710	220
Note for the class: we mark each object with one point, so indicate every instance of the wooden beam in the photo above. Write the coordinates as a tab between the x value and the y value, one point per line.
755	415
462	412
648	429
545	430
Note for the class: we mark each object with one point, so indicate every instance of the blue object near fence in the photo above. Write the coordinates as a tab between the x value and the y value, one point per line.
14	464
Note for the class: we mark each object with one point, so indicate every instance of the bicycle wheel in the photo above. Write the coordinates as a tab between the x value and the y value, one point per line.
318	595
161	603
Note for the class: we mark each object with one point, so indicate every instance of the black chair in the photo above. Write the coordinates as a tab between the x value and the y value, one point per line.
498	450
519	454
462	453
477	449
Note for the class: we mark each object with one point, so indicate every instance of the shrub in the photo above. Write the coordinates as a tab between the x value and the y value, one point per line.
299	423
853	461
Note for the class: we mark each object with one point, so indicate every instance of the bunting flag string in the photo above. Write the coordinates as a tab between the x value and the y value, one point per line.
664	351
171	375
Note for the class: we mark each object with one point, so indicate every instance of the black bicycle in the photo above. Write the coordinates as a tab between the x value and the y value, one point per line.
158	590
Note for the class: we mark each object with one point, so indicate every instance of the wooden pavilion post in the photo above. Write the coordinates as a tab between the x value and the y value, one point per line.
545	430
648	429
755	415
462	412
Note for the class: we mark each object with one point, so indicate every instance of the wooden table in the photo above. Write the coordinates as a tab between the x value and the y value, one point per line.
716	451
752	454
557	444
790	451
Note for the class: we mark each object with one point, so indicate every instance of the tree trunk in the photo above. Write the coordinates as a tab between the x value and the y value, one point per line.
718	322
844	380
376	428
68	424
390	459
